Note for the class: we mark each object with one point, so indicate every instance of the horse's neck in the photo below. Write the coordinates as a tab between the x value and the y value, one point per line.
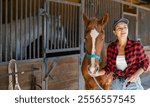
104	53
103	56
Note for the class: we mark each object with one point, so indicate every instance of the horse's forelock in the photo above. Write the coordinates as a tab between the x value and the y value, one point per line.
92	24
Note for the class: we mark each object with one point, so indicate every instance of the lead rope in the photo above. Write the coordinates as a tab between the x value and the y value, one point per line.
10	85
99	58
17	86
98	84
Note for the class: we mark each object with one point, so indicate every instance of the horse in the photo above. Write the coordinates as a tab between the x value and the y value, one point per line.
20	42
95	56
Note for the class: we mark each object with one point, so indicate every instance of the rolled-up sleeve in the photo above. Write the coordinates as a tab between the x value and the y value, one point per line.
109	67
143	58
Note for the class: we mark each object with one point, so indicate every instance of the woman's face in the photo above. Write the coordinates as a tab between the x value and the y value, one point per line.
121	30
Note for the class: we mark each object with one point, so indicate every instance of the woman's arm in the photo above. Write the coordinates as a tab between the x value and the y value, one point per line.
135	76
143	62
143	59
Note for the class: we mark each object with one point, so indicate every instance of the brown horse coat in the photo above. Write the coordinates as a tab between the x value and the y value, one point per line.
95	27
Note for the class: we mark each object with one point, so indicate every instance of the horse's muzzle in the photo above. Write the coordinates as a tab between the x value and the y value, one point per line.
93	69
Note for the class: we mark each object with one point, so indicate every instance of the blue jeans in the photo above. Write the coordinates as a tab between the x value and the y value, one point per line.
118	84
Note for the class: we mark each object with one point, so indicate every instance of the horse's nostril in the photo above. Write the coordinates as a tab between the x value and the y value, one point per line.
88	68
97	67
93	69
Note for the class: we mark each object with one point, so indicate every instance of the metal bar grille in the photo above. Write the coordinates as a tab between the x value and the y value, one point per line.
23	30
62	26
6	5
26	32
20	29
97	8
16	31
1	31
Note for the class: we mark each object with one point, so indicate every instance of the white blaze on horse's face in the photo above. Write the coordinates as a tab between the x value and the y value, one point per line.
94	33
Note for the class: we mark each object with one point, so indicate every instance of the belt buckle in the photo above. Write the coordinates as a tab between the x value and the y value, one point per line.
121	78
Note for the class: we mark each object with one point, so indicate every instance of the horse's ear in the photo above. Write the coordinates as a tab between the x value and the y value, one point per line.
104	20
85	19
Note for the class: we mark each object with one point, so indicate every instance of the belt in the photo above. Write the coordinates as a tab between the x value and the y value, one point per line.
121	78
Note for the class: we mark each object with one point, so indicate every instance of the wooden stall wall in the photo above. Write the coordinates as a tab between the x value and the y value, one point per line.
24	73
64	76
76	1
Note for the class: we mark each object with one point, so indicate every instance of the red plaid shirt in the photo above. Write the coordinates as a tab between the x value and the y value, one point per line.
134	55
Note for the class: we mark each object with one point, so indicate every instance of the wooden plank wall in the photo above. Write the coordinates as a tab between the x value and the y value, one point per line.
65	74
76	1
24	78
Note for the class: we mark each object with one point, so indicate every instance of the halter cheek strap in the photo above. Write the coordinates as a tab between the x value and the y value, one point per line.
94	56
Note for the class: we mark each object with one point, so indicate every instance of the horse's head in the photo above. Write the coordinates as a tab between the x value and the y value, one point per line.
94	36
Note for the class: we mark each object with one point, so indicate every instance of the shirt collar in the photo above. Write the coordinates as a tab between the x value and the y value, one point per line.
129	42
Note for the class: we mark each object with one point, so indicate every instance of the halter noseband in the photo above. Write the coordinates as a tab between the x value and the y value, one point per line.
94	56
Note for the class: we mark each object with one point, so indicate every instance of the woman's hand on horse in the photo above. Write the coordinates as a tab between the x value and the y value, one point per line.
96	74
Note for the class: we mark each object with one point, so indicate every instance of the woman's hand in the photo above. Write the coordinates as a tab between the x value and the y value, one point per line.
135	76
102	72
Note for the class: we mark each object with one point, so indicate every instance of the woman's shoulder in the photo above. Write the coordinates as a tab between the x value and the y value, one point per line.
112	44
134	42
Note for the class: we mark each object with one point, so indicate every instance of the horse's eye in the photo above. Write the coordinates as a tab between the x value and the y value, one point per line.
87	34
86	37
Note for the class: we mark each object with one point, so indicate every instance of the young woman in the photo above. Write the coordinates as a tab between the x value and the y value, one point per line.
125	58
